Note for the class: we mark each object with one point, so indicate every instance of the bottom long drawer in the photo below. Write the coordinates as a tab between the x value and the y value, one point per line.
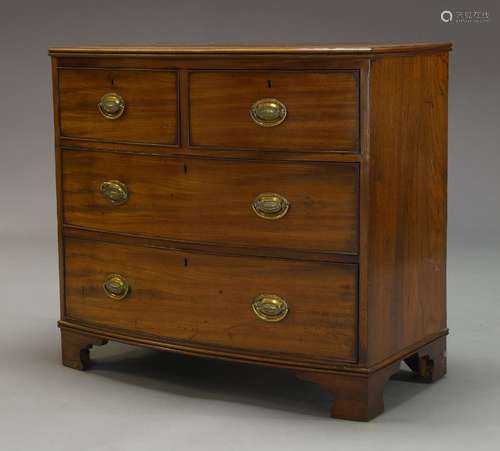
262	306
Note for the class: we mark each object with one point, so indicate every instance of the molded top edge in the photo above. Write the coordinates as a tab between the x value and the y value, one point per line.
329	49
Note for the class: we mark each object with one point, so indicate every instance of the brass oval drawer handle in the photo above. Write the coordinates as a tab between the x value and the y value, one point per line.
111	105
270	307
268	112
270	206
115	191
116	286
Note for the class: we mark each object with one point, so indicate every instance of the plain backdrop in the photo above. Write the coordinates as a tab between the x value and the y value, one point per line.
137	399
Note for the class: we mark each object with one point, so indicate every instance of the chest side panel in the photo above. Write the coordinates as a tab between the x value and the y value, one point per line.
407	202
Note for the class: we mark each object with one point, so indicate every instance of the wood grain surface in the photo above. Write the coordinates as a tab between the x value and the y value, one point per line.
210	201
407	212
151	111
207	299
322	110
347	48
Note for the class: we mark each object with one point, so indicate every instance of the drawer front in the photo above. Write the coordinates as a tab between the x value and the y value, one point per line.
136	106
213	300
221	202
318	110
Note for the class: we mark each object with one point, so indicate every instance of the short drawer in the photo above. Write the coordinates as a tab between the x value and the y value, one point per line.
272	110
125	106
301	206
257	305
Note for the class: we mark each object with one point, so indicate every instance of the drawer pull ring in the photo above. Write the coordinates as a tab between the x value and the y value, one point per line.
268	112
115	286
270	307
270	206
111	105
115	191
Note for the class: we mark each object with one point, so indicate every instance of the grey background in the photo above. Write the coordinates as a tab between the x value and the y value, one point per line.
136	399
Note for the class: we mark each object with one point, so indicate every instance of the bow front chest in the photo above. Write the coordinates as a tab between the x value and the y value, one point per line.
281	206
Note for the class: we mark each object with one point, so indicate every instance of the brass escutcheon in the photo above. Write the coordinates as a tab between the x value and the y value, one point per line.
115	286
115	191
111	105
268	112
270	307
270	206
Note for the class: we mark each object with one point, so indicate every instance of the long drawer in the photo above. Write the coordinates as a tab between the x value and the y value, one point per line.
298	206
258	305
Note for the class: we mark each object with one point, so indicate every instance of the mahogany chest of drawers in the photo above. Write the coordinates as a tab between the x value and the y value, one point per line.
282	206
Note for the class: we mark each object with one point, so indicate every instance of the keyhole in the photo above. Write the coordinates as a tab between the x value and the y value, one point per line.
269	84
